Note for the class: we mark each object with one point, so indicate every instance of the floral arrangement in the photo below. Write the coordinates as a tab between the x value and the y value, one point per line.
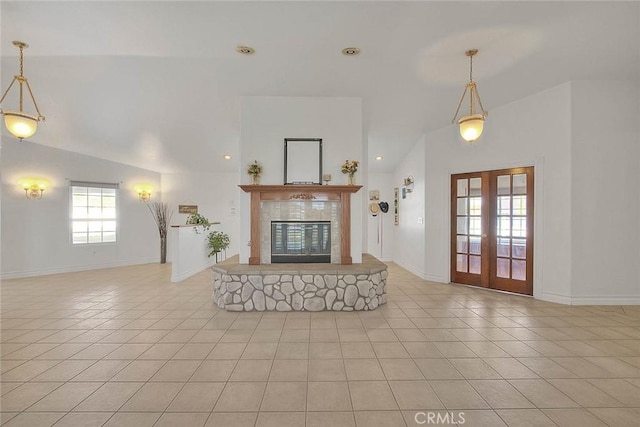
350	167
254	169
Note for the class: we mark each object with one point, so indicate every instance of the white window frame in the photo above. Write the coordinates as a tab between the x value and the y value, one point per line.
98	220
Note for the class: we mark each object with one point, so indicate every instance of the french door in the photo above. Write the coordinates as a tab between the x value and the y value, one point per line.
492	229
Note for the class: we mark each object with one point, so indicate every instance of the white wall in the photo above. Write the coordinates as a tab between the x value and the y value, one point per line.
605	175
217	196
409	235
534	131
267	121
380	228
36	233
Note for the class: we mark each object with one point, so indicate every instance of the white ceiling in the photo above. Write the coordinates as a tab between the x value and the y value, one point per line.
158	84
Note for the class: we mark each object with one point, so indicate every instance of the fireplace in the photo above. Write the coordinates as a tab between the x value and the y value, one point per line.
302	203
300	241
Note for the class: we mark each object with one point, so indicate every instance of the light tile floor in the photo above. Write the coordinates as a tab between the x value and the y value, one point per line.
124	346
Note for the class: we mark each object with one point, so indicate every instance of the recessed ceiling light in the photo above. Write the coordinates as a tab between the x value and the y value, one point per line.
350	51
227	157
379	157
245	50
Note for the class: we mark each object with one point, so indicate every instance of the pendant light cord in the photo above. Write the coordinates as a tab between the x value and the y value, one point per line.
21	77
21	62
473	91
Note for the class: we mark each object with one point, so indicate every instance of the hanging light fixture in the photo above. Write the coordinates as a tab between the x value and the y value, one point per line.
20	124
472	124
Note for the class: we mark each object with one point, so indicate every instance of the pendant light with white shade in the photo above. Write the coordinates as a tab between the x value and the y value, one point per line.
471	125
19	123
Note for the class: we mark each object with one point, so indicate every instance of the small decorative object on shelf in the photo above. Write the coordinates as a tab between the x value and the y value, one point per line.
326	178
349	168
254	170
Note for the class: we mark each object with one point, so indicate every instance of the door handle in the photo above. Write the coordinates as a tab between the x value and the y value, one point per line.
484	236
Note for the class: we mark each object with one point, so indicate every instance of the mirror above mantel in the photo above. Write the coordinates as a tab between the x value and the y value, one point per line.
303	161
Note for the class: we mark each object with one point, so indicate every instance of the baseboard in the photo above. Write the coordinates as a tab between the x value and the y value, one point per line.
412	269
175	277
437	279
551	297
592	300
606	300
76	268
382	259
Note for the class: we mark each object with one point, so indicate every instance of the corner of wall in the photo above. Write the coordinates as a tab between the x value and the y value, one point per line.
409	235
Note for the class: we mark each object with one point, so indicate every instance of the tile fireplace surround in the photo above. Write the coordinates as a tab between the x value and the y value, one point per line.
298	211
300	203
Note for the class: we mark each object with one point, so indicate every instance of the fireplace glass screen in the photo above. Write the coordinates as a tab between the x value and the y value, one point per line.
300	241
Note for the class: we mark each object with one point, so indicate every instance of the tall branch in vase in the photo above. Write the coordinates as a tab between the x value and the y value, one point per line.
162	216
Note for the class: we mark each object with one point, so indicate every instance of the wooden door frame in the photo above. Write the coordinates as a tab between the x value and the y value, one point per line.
488	278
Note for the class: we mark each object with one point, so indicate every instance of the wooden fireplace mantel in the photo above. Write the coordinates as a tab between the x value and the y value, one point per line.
341	193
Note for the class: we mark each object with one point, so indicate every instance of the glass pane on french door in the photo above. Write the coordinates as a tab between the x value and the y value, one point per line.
467	233
510	257
512	227
469	225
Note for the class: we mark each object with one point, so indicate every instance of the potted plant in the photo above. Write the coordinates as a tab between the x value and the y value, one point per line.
217	241
197	219
349	168
254	170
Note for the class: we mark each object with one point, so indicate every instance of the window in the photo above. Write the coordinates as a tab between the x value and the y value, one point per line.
93	212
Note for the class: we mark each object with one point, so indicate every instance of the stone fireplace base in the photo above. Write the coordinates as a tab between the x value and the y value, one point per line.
300	287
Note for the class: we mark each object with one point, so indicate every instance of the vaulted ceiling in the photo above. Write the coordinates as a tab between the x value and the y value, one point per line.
158	84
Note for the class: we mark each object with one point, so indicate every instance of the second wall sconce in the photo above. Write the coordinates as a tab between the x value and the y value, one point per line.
144	192
34	188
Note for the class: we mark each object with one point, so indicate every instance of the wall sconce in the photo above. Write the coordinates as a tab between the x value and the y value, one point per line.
34	188
408	183
144	192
